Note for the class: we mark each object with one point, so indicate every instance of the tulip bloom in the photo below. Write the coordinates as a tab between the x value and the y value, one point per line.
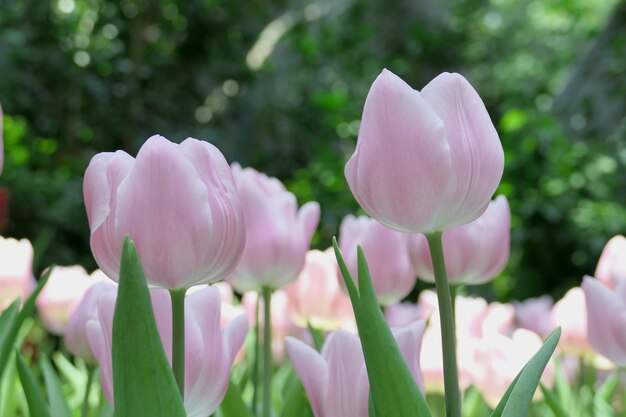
388	256
569	313
611	267
315	296
535	314
425	161
403	314
336	380
209	352
278	235
475	253
62	294
75	333
178	203
16	270
606	318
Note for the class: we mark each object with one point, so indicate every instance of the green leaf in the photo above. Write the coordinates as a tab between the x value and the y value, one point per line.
553	402
143	382
36	400
56	397
9	334
521	395
233	405
318	339
607	389
296	402
393	389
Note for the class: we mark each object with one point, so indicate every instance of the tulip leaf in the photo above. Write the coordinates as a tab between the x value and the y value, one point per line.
34	395
56	397
11	326
519	395
232	404
143	382
393	390
553	402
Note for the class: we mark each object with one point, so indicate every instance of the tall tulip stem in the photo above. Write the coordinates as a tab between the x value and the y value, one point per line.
448	338
84	410
267	350
178	338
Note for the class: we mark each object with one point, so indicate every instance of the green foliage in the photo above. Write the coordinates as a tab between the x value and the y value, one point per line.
34	395
143	381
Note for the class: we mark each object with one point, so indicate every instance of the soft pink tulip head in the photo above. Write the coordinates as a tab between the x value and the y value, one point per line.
61	295
278	235
475	252
606	318
535	314
16	270
425	161
611	267
75	333
403	314
335	380
209	350
387	253
177	202
570	313
315	296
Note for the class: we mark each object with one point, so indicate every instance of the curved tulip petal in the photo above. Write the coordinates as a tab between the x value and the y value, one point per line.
312	370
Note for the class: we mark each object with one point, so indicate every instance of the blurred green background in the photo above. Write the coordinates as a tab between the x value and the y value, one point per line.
280	85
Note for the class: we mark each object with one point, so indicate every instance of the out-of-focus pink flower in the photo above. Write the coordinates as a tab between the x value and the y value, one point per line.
75	333
209	351
283	324
62	294
177	202
606	318
425	161
336	380
569	313
278	235
315	295
611	267
499	358
387	253
403	314
535	314
16	270
475	253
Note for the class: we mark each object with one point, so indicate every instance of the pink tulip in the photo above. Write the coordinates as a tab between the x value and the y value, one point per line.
611	267
403	314
606	318
425	161
535	314
499	358
387	253
315	295
336	380
569	313
178	203
278	235
61	295
475	253
75	333
209	351
16	270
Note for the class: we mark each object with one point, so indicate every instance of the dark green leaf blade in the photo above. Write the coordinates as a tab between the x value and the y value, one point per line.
56	397
143	382
233	405
34	396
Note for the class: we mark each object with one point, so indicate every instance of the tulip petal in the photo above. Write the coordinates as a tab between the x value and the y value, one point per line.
475	148
409	341
312	370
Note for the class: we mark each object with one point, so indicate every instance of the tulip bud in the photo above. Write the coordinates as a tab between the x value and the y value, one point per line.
209	351
569	313
315	296
535	314
387	253
178	203
611	267
425	161
16	270
475	253
278	235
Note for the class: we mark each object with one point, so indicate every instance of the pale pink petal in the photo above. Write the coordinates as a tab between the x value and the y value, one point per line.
313	372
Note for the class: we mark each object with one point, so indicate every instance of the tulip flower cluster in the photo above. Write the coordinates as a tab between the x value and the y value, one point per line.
210	301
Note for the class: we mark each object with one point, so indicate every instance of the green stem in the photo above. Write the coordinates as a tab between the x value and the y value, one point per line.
84	410
267	350
178	338
255	365
448	338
